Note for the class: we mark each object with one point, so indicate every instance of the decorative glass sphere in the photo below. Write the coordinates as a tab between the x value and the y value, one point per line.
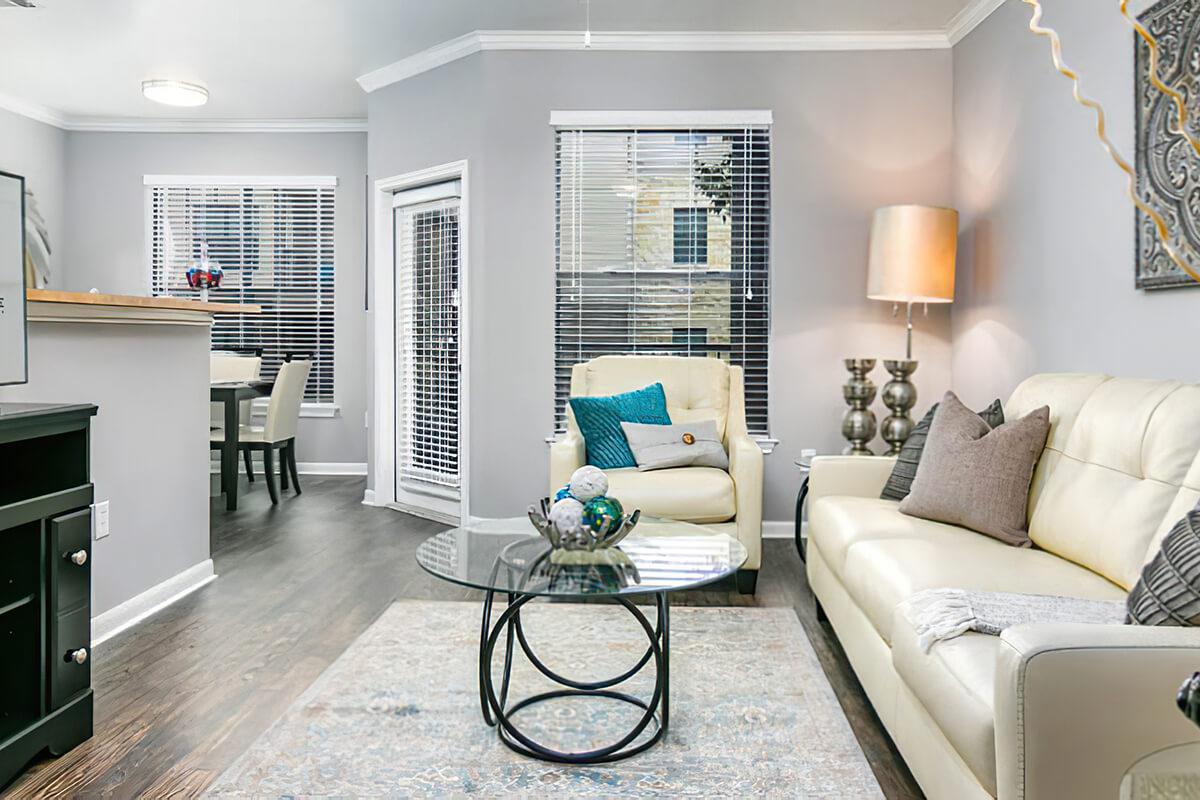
562	493
603	515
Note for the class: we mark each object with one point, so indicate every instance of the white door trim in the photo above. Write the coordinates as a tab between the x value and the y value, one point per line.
383	432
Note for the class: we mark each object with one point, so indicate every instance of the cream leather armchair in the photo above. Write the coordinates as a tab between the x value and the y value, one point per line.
696	389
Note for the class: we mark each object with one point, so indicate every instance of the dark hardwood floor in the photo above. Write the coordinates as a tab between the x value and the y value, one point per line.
181	695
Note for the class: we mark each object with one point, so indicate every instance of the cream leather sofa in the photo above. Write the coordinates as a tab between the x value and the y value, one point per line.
696	389
1045	710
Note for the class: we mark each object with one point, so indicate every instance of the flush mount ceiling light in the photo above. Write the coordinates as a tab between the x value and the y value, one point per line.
175	93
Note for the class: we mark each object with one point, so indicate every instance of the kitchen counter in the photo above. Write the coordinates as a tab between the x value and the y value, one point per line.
46	305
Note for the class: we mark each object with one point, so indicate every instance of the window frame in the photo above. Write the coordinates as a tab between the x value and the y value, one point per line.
633	122
322	409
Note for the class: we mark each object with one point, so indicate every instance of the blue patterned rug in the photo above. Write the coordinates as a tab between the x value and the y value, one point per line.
397	715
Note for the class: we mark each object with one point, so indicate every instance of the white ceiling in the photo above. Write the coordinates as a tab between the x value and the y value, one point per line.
298	59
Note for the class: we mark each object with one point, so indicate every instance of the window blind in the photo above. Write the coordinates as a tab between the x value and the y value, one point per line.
663	248
427	302
275	245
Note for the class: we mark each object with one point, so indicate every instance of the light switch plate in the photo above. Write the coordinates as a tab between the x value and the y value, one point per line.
100	519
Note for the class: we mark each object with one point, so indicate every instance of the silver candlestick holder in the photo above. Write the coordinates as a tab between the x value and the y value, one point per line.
858	423
899	395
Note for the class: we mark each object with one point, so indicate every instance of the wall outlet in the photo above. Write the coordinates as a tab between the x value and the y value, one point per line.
100	519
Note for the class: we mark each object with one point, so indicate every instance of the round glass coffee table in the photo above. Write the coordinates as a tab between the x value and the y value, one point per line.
509	558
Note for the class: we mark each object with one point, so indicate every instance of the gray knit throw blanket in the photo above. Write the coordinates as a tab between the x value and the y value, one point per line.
939	614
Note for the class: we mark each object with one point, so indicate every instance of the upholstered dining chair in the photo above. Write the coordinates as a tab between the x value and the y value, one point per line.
696	389
278	432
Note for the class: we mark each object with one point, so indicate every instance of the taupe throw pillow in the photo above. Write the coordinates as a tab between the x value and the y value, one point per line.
899	483
977	477
687	444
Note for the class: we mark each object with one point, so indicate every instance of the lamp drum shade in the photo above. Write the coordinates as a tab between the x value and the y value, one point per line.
912	254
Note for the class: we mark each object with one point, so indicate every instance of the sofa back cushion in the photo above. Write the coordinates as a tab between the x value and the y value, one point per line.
1119	467
696	388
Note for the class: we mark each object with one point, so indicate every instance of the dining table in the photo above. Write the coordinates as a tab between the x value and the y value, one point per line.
231	394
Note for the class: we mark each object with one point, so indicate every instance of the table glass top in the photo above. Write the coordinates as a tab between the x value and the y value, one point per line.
509	555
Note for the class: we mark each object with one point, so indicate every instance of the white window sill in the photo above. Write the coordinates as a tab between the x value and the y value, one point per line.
766	443
311	410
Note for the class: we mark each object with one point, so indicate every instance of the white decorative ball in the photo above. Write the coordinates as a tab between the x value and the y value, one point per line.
588	482
567	516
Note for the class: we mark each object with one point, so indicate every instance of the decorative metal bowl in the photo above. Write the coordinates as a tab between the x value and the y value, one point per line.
586	539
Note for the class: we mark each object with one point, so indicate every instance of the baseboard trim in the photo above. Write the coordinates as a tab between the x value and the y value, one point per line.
426	513
369	498
156	598
331	467
779	530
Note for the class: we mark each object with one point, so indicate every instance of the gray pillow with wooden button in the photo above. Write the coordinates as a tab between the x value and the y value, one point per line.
688	444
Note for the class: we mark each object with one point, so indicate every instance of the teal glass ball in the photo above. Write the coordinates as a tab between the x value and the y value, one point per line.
562	493
603	515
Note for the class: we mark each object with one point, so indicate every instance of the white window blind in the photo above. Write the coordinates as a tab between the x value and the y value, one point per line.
427	303
663	249
274	241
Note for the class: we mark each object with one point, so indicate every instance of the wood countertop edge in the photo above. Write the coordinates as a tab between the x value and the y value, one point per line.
134	301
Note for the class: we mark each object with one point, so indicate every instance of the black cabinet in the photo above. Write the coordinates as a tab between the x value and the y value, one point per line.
45	582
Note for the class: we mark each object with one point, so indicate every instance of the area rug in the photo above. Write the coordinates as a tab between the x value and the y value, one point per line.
397	715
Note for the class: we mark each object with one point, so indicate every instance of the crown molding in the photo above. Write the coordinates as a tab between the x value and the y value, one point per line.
142	125
33	111
649	41
967	20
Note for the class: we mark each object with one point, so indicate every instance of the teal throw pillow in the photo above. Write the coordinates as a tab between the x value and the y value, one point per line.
600	418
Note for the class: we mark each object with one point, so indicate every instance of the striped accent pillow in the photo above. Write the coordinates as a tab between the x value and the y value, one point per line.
599	420
899	483
1168	593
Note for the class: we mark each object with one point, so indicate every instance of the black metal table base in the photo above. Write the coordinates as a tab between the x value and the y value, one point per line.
498	713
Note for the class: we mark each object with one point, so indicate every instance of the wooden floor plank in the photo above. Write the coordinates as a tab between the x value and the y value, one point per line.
183	694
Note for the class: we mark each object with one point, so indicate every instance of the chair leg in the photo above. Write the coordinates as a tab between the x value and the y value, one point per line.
249	465
747	580
269	472
291	465
283	469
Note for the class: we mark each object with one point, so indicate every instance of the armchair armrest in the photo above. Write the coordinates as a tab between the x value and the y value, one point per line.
1077	705
746	469
566	455
857	476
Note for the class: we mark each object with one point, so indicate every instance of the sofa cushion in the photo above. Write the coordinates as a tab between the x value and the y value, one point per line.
1118	455
690	494
837	522
696	388
881	571
954	682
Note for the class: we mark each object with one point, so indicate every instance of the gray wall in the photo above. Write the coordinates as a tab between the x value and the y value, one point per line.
1047	244
148	447
106	241
852	131
38	152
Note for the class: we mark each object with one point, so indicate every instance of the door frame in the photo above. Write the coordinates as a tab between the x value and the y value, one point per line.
383	427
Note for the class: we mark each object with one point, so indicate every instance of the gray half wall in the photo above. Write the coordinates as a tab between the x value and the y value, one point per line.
853	131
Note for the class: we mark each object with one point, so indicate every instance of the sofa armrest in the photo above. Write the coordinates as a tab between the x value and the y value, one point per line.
746	469
1076	705
566	455
856	476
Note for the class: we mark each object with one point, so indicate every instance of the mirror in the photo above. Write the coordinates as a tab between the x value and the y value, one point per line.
13	356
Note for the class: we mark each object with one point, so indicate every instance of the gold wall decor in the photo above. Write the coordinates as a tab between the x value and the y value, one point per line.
1166	226
1167	78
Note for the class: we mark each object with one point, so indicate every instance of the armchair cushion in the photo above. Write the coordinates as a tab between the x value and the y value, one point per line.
690	494
600	418
689	444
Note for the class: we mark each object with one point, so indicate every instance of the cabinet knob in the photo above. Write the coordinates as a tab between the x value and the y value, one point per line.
78	656
79	557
